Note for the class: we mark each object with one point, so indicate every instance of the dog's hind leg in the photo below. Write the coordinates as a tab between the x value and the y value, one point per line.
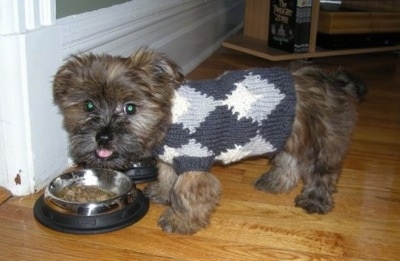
325	118
319	185
317	163
282	176
193	198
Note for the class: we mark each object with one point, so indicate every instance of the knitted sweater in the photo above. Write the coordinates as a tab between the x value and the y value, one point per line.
240	114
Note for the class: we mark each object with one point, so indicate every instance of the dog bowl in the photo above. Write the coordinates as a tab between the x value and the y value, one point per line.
144	170
90	201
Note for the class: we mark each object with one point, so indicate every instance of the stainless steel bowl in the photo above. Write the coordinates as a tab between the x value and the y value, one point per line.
107	180
126	206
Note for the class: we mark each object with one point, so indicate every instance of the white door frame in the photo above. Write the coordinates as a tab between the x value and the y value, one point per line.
30	51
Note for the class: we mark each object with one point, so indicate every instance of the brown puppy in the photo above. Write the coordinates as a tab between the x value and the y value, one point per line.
118	110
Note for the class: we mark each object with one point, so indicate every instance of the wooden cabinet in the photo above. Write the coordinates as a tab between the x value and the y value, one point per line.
255	35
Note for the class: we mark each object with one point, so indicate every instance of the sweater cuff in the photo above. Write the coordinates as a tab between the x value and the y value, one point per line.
183	164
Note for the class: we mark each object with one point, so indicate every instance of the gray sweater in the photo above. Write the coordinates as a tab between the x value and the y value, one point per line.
240	114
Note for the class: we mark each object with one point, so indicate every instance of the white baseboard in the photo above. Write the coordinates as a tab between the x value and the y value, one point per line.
187	31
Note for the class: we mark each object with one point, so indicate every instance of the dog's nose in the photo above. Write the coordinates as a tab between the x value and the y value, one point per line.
103	137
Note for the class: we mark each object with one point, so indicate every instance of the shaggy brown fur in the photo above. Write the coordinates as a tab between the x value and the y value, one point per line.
145	81
117	110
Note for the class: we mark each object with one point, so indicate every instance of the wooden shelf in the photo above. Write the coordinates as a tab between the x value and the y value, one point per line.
259	48
254	40
358	22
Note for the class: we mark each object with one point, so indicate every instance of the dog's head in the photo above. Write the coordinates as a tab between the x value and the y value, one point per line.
115	109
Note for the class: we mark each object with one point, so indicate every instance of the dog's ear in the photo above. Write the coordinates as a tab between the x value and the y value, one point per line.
157	65
63	77
72	71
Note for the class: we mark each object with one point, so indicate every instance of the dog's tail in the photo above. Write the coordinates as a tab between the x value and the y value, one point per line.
350	84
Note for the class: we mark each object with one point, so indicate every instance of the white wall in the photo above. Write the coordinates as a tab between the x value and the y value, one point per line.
33	145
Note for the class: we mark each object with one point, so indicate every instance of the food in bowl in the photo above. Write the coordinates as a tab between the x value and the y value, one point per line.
85	194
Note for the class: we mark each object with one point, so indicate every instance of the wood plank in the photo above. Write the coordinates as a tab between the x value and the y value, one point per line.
259	48
358	22
314	26
4	195
256	19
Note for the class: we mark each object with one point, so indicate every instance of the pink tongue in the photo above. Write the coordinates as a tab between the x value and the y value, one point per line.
103	153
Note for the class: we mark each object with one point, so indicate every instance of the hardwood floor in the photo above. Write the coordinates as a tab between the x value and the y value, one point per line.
249	224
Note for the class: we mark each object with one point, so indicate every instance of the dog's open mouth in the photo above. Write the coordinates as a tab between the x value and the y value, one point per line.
104	153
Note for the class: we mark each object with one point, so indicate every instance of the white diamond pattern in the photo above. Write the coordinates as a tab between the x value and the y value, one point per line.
191	108
250	95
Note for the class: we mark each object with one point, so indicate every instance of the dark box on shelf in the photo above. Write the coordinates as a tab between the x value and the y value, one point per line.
349	41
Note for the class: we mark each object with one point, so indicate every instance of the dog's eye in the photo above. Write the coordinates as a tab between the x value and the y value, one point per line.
89	106
129	108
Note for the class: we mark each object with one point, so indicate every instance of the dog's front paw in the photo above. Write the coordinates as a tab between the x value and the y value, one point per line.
177	223
312	202
157	194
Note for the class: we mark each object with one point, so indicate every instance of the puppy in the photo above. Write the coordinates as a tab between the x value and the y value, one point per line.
117	110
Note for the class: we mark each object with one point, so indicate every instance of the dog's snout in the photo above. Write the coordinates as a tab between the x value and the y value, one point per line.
103	137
